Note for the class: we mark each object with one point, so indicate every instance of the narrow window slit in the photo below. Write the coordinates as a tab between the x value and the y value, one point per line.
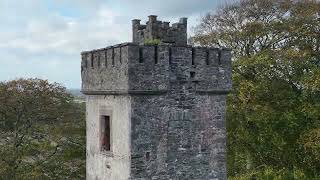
219	57
207	57
193	56
156	54
140	55
120	56
85	60
170	55
112	56
147	156
98	58
106	143
192	74
106	58
91	59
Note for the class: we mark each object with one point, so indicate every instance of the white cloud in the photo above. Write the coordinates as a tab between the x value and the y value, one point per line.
47	44
55	33
38	39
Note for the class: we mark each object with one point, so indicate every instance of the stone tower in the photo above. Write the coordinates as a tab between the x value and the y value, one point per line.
156	111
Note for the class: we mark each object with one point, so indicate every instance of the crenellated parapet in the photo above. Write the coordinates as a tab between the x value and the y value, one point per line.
132	68
154	29
105	69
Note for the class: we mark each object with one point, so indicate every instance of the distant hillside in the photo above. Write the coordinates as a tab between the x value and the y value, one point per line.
75	92
79	97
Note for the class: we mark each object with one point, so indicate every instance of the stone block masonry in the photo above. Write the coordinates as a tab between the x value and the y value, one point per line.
167	109
132	68
154	29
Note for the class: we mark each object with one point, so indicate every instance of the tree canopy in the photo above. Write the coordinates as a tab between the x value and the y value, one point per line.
273	118
42	131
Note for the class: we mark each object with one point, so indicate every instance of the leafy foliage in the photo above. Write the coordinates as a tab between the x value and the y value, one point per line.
152	41
42	131
273	117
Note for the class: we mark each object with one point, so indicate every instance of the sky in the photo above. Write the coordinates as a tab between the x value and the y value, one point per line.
44	38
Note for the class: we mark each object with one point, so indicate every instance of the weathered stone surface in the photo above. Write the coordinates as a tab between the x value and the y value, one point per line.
167	104
183	133
154	29
137	67
114	165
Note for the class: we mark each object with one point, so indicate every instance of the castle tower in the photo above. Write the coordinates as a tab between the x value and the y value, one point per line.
154	29
156	112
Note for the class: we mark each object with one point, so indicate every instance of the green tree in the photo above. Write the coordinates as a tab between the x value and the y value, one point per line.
152	41
42	131
273	118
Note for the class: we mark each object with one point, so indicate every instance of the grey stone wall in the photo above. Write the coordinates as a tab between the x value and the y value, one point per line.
154	29
131	67
179	136
105	69
100	164
175	109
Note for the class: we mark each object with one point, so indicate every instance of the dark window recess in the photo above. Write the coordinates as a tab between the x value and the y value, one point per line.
120	56
203	149
192	74
91	58
193	56
169	42
147	156
85	62
99	60
106	58
156	54
219	56
112	56
106	133
140	55
207	57
170	55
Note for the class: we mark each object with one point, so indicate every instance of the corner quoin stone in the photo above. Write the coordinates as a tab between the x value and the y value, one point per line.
166	104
